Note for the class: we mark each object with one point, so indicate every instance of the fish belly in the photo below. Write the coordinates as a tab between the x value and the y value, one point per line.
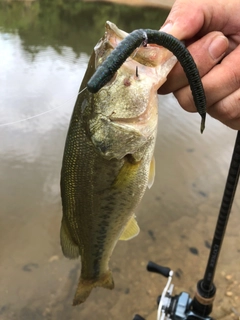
99	197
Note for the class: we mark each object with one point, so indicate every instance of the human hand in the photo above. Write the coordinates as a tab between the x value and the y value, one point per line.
211	31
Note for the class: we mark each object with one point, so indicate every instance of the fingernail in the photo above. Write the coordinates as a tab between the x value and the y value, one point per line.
167	27
218	47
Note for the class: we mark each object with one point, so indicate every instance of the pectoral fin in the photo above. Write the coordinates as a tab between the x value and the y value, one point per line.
131	230
151	173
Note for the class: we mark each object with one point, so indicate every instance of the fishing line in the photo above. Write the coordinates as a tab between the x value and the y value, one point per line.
40	114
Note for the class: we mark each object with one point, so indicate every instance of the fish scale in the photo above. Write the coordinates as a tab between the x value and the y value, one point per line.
108	159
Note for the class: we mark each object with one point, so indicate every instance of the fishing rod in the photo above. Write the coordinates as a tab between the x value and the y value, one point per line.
182	306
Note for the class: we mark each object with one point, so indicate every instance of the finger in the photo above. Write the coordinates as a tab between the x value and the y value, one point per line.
206	52
179	20
189	18
220	82
227	110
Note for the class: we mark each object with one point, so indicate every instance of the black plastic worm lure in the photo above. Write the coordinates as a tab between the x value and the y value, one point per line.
113	62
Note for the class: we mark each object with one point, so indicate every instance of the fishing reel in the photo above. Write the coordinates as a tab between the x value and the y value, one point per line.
182	307
178	307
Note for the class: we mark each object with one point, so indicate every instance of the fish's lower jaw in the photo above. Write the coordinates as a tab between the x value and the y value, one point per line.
85	287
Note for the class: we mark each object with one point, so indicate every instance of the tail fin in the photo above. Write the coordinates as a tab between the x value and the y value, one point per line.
85	287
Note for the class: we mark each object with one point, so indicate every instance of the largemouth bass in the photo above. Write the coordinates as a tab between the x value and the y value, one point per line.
108	158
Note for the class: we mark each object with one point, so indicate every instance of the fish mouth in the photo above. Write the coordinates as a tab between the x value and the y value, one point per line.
148	54
125	114
111	26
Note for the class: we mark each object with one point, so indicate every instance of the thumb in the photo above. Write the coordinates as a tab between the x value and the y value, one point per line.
185	19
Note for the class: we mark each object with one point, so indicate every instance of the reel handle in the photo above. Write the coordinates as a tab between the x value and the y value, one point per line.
153	267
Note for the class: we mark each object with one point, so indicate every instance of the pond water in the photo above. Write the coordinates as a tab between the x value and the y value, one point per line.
44	50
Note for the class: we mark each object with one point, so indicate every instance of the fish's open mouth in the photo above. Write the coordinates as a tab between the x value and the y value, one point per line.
149	55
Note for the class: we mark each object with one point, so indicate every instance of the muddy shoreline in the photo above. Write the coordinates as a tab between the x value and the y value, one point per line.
166	4
153	3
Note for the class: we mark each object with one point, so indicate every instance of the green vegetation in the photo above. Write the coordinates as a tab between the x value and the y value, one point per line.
71	23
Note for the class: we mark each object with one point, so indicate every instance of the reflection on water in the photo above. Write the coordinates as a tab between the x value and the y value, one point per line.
176	217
